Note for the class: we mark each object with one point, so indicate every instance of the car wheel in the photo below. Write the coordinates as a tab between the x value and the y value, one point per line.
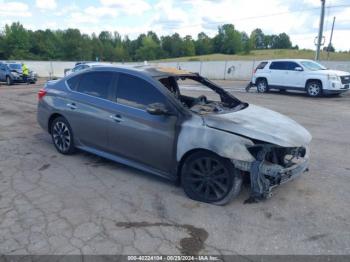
314	88
262	86
62	136
8	81
209	178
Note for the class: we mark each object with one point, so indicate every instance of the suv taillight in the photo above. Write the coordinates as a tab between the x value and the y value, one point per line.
41	93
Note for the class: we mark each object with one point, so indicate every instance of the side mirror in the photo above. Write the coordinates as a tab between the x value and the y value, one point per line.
298	68
157	109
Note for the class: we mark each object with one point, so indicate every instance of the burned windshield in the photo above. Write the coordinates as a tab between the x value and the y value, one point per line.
200	95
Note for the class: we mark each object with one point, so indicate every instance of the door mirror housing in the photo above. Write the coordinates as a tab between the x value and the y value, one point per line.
299	68
157	109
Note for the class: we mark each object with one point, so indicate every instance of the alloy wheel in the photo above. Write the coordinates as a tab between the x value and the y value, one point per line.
262	87
314	89
61	136
209	179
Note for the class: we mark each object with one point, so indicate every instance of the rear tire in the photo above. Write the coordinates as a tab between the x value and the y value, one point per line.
8	81
62	136
314	88
262	86
209	178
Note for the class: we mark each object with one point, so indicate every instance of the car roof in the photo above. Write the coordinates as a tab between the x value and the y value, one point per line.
287	59
153	71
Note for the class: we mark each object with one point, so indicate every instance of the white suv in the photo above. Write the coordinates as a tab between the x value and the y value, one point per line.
299	74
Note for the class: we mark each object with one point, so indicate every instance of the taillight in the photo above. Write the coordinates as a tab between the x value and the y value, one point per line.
41	93
254	71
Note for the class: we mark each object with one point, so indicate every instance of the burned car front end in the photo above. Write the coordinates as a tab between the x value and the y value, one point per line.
279	150
273	166
269	147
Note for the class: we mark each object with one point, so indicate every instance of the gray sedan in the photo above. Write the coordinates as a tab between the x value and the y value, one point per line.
142	117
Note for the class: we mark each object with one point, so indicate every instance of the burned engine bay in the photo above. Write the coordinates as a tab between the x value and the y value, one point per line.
201	104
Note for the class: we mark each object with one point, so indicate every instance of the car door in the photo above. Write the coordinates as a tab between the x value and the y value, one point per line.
87	107
277	73
294	76
133	132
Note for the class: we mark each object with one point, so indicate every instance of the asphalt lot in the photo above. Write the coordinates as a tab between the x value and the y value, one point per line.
83	204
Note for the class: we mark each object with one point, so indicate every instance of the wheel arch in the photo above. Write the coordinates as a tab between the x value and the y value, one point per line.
261	78
187	155
51	119
313	80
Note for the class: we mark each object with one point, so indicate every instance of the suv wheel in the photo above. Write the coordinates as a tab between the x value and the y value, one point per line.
8	81
314	88
209	178
62	136
261	86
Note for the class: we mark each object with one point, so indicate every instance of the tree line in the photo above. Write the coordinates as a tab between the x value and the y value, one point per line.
16	42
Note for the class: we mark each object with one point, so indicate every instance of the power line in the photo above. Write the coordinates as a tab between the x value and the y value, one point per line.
261	16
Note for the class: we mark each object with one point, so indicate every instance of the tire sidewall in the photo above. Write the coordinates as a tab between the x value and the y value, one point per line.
265	83
311	83
235	178
8	81
71	148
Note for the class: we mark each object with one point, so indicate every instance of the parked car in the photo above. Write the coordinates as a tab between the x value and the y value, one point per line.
301	75
11	72
84	65
139	116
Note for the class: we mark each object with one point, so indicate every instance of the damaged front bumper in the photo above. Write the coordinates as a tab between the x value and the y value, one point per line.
266	174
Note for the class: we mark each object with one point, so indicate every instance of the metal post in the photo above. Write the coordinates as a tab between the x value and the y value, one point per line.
330	40
320	31
225	70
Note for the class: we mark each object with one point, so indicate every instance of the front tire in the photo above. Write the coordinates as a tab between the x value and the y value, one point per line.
314	88
62	136
262	86
8	81
209	178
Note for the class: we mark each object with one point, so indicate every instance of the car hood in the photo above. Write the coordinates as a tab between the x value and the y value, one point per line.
261	124
333	72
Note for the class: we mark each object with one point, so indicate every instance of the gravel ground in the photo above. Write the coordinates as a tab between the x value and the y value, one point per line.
83	204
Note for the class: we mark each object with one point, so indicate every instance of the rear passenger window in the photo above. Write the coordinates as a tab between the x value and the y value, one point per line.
73	82
136	92
278	66
95	84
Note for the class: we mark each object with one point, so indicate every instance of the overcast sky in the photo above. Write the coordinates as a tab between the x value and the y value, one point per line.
298	18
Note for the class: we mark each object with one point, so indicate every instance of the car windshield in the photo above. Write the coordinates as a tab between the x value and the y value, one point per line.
15	66
313	66
200	95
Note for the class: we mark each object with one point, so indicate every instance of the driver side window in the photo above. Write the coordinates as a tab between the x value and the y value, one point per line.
138	93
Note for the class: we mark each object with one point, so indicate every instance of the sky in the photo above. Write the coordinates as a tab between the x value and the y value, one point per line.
298	18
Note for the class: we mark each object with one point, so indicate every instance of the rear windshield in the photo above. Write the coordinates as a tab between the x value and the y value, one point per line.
261	65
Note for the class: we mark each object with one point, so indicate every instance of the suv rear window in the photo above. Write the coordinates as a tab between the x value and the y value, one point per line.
261	65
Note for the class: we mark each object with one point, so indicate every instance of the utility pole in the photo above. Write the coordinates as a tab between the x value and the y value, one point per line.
320	31
330	40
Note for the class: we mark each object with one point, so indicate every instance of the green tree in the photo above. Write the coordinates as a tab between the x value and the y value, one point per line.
258	39
149	49
188	47
16	42
203	45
